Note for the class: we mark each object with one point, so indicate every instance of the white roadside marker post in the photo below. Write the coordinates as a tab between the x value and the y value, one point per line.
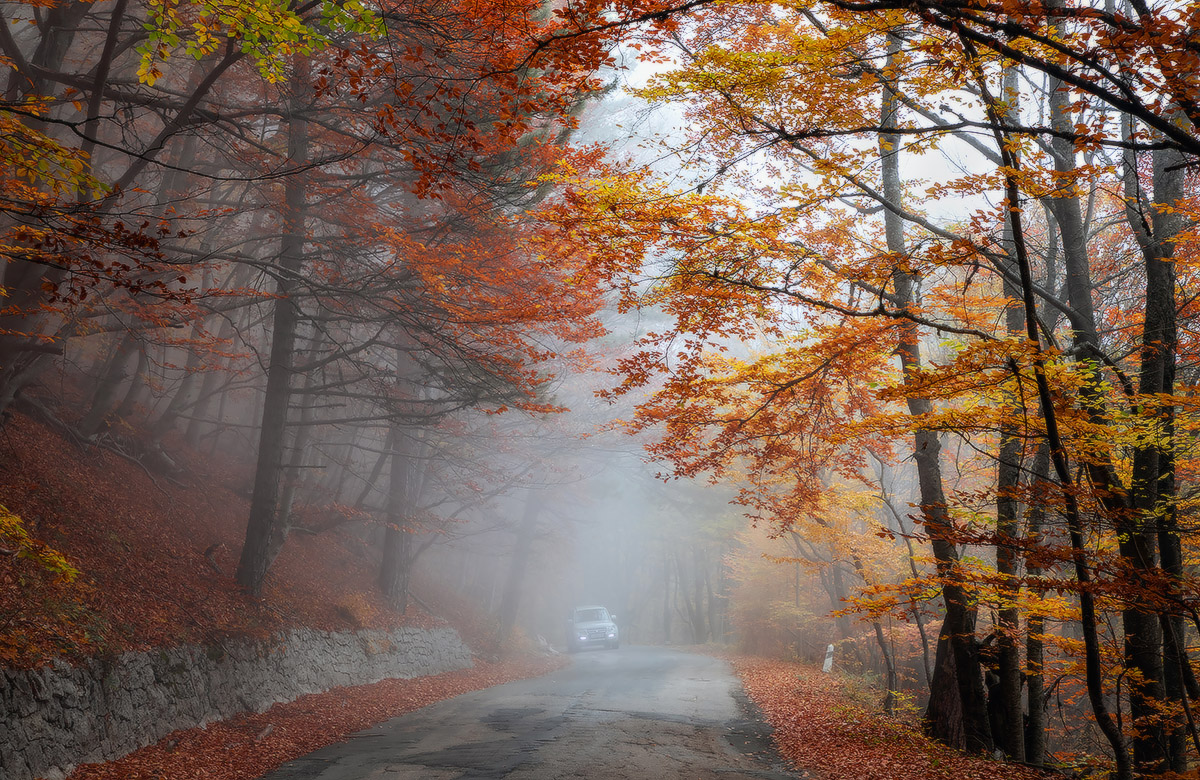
827	667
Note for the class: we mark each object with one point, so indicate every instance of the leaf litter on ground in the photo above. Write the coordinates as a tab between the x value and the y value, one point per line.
820	729
250	745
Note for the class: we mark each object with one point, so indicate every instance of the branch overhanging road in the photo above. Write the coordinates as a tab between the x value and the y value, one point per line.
638	713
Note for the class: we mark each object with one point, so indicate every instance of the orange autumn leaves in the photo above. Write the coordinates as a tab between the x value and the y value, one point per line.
248	746
819	730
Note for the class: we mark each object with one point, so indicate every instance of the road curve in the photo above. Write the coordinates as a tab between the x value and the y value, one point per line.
638	713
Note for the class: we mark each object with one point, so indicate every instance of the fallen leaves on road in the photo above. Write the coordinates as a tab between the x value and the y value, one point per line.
249	746
820	730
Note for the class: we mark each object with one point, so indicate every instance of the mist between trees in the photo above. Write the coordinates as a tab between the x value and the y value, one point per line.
918	287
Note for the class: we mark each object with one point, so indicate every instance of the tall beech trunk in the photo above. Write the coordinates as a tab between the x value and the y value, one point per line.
1040	485
1009	731
1152	484
1058	455
395	569
957	673
255	559
1137	540
943	717
1035	652
1088	620
298	452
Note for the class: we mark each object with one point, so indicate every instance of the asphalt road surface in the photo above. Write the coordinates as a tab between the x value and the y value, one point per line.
638	713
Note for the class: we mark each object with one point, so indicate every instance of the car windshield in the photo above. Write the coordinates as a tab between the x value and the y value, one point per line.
589	615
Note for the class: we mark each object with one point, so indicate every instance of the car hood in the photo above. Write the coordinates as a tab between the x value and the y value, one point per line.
582	626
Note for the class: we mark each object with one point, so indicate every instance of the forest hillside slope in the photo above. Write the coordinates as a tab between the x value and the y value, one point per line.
156	553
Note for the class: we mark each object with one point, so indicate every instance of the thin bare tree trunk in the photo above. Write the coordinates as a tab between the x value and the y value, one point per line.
514	581
105	393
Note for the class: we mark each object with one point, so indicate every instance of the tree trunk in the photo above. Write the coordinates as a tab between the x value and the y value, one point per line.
24	282
395	569
943	714
914	608
255	560
389	444
696	609
892	680
137	385
1009	732
972	729
666	605
106	387
1152	484
295	464
514	582
1088	619
184	395
1035	726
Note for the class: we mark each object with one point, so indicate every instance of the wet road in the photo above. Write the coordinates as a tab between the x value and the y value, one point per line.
638	713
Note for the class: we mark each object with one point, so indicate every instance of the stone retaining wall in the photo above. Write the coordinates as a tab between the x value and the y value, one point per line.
60	715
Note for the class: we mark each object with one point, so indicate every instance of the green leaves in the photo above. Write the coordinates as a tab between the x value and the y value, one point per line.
269	32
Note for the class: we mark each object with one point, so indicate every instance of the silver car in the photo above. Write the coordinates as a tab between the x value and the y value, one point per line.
591	626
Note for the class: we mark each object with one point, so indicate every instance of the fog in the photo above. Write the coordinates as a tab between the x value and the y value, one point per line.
349	301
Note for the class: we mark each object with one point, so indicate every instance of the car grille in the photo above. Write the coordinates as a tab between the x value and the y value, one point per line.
597	633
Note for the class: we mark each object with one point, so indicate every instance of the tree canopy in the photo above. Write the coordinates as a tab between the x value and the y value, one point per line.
923	285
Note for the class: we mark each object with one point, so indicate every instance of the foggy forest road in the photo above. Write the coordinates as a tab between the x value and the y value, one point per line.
638	713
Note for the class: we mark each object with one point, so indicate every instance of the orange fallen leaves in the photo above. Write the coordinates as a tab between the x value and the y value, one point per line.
148	554
819	730
249	746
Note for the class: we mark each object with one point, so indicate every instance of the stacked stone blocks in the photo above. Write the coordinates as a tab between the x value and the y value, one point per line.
57	716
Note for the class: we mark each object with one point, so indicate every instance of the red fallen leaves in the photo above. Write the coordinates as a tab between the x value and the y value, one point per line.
249	746
819	730
149	553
